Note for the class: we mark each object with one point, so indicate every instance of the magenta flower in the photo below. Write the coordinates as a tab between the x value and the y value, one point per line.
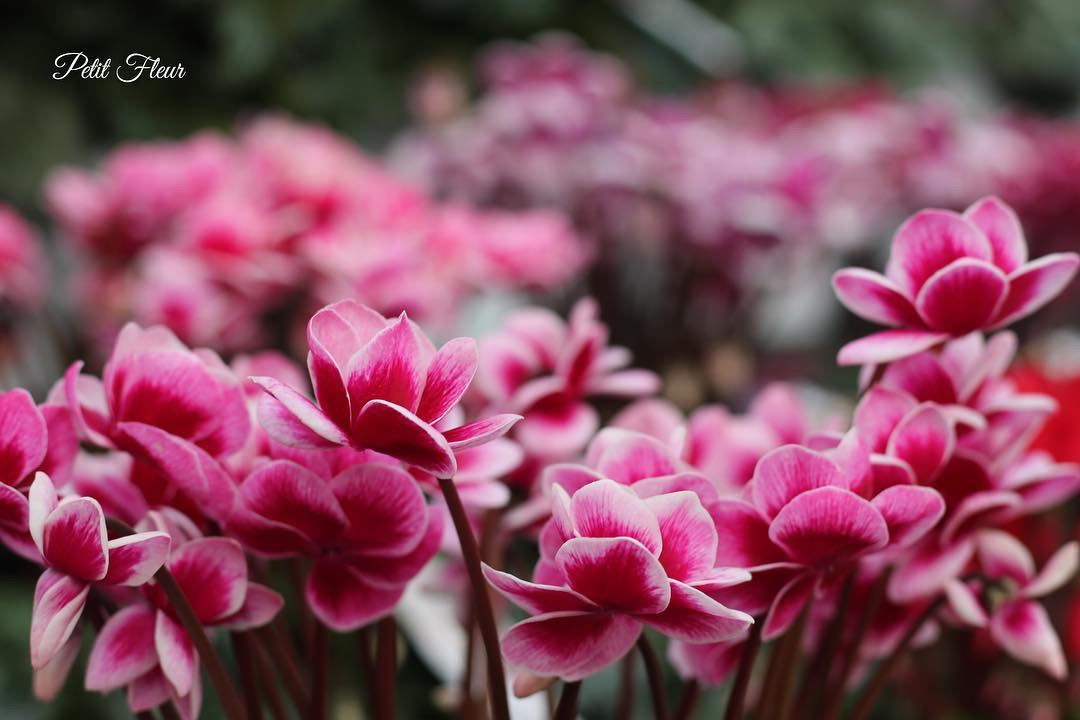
1016	620
70	535
380	385
949	275
145	647
23	272
618	562
806	517
368	529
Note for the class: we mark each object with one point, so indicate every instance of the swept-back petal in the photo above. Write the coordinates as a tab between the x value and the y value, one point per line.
1057	571
74	539
176	653
393	430
1002	228
879	412
605	509
23	436
481	431
448	378
284	493
345	600
1001	555
909	511
888	345
615	573
292	419
535	598
124	649
874	297
784	473
688	535
924	439
693	616
742	535
828	525
260	606
788	603
962	297
1024	630
1035	284
58	604
570	645
212	572
133	559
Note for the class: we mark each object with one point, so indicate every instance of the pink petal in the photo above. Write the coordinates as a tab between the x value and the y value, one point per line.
42	500
14	524
1035	284
1058	570
23	436
292	419
790	601
294	508
58	605
176	653
709	663
394	431
557	430
49	680
615	573
212	572
922	376
784	473
85	398
481	431
535	598
693	616
148	691
962	297
879	412
688	534
63	444
570	645
927	242
757	595
74	539
873	297
626	456
123	651
448	378
888	345
778	406
693	482
605	509
888	471
1023	629
387	368
393	570
1002	228
343	599
909	511
964	603
625	383
569	476
336	333
742	535
133	559
979	510
924	439
926	571
1003	556
828	525
260	606
383	507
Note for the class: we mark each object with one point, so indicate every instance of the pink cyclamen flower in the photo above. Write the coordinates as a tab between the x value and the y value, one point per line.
145	647
368	529
70	535
806	517
22	269
1016	620
618	562
380	385
948	275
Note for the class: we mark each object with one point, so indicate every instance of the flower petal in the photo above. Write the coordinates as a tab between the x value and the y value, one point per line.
688	535
292	419
605	509
742	535
133	559
693	616
626	456
49	680
387	368
909	511
570	645
873	297
393	430
1003	556
148	691
1035	284
964	603
124	649
962	297
828	525
23	436
925	572
448	378
878	413
74	540
176	653
615	573
343	599
535	598
1023	629
260	606
481	431
212	572
1057	571
789	602
383	507
1002	228
925	440
41	501
888	345
784	473
928	241
58	605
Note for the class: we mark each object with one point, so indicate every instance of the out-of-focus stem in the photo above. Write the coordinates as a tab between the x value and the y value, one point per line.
816	677
624	703
688	700
790	669
655	673
742	676
835	690
481	600
319	667
385	669
269	680
568	701
249	683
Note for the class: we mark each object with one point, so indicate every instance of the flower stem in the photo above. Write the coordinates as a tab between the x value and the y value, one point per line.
835	690
624	709
319	662
568	701
367	665
688	700
742	676
385	669
485	617
790	668
278	647
655	673
215	668
884	671
269	682
245	664
817	673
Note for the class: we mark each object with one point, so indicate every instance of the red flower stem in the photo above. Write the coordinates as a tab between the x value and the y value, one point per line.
835	691
737	699
688	700
169	711
624	709
145	715
386	669
655	674
818	670
884	671
319	667
790	668
568	701
481	600
367	666
278	647
249	683
269	680
215	668
297	573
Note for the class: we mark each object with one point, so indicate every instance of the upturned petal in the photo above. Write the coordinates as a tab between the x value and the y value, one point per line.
927	242
393	430
1023	629
388	367
909	512
58	605
292	419
74	540
924	439
962	297
693	616
1035	284
133	559
888	345
448	378
23	436
124	649
688	535
873	297
570	645
828	525
1001	227
615	573
784	473
383	507
605	509
535	598
212	573
176	653
343	599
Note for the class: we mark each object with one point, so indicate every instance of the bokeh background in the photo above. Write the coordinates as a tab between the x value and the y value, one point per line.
967	78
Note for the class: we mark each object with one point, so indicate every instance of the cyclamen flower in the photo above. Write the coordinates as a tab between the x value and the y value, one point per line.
380	385
145	647
544	368
948	275
22	269
368	529
1016	620
618	562
806	517
70	535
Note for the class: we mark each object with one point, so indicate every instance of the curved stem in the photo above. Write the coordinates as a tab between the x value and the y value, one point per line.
249	682
834	691
624	707
215	668
688	700
818	670
884	671
269	681
568	701
790	668
742	676
655	673
485	617
385	668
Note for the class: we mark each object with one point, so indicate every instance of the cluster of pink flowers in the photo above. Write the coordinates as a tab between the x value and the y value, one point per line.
22	268
224	240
